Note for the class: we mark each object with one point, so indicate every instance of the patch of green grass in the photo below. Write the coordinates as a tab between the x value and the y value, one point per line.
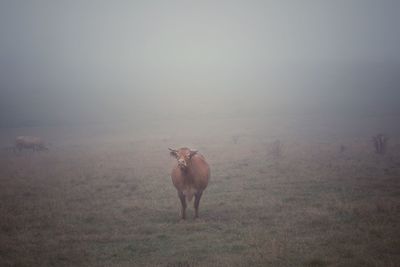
315	262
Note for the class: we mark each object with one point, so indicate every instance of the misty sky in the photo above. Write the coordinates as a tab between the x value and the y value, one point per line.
66	61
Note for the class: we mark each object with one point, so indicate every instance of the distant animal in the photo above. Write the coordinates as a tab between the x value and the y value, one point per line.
190	176
29	142
380	143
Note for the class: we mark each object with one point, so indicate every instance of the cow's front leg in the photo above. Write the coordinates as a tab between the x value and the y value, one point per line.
183	203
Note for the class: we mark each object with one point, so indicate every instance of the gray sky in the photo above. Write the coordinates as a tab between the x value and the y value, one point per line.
108	60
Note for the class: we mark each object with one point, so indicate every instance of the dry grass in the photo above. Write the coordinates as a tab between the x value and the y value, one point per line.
108	200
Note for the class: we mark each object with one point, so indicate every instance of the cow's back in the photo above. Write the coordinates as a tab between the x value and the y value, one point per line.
28	141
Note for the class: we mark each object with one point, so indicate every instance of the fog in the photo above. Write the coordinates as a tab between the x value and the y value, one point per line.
290	110
67	62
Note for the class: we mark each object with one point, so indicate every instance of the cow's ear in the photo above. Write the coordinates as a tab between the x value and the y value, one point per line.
173	152
193	152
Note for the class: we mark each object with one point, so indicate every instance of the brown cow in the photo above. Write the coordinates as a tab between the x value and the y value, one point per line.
29	142
190	176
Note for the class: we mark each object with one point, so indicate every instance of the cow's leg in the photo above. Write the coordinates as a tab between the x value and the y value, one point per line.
197	198
183	202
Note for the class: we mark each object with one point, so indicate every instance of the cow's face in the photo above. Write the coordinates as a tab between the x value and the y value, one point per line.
183	156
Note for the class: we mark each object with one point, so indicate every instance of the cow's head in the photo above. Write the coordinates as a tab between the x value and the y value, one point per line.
183	156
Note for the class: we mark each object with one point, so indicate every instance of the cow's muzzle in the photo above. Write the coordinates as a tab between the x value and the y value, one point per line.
182	163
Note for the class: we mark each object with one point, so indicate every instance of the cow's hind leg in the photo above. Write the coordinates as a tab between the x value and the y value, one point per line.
183	203
197	198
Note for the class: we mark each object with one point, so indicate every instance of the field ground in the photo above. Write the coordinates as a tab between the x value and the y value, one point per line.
103	197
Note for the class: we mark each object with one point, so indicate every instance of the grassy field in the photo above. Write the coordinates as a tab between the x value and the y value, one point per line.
104	197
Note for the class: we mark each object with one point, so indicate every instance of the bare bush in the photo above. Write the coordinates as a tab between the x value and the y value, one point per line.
380	143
